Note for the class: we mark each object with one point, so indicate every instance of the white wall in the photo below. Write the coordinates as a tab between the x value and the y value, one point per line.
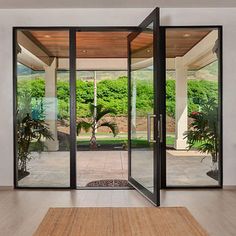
118	17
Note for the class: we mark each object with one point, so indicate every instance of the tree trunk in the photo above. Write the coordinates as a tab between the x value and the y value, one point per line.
93	140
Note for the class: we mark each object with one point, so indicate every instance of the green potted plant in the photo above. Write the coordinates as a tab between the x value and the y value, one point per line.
203	133
30	132
96	121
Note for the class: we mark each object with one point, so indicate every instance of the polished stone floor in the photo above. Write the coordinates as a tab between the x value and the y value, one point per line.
21	211
52	168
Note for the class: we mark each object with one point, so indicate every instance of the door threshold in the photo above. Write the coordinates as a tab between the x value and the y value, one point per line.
105	188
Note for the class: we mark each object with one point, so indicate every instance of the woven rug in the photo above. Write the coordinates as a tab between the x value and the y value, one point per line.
141	221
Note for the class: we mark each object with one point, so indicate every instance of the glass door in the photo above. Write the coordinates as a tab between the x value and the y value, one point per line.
144	117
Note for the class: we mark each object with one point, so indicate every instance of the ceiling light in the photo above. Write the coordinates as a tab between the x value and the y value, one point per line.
47	36
84	51
186	35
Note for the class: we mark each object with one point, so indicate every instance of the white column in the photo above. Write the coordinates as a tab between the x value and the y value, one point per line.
133	104
95	100
51	104
181	105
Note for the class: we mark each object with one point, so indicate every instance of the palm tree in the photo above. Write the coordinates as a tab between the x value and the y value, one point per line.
96	122
29	130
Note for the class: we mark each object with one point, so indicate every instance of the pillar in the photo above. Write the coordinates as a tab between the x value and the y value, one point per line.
51	104
181	104
133	105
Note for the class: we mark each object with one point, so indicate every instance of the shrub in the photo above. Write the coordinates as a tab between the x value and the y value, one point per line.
114	94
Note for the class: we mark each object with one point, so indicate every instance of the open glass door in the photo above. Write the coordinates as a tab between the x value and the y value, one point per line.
144	138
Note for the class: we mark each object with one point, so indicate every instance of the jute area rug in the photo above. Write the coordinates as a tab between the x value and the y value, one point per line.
141	221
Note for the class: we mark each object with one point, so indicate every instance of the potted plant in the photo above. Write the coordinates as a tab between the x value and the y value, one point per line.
29	131
97	121
203	133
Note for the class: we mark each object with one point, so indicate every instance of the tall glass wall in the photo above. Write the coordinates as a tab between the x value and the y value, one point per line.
193	107
42	109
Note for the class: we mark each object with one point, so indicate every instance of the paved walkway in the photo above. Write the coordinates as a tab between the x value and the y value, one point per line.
52	168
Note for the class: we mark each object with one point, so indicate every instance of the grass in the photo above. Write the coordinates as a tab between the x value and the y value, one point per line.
170	140
104	142
119	141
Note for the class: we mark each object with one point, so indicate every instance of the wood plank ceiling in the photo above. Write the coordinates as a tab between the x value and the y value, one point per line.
89	44
180	41
113	44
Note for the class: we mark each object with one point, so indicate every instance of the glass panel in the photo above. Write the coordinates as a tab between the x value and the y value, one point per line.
101	98
43	132
192	105
142	109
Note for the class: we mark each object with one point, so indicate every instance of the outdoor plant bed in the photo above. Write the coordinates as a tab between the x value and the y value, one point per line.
109	183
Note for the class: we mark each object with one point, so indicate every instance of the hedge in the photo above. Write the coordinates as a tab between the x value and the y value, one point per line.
113	93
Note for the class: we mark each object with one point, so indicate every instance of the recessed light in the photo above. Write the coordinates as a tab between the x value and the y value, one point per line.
47	36
84	51
148	50
186	35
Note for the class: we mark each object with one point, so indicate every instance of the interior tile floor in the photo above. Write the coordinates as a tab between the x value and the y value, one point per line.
21	211
52	168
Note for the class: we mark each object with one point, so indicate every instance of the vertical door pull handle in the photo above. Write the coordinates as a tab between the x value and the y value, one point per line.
149	116
160	128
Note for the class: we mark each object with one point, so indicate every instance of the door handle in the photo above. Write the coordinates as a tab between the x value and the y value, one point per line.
149	116
160	128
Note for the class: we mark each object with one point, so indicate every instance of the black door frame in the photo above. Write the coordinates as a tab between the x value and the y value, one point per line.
163	105
72	31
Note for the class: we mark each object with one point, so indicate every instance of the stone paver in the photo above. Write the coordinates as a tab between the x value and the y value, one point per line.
51	169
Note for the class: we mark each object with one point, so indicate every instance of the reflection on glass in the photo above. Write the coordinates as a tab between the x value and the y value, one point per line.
142	98
42	109
192	105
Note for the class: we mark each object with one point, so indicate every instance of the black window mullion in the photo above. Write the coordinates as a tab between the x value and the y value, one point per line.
73	146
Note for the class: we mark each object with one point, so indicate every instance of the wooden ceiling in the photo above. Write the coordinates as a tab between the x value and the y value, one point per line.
102	44
89	44
114	44
55	43
180	41
142	45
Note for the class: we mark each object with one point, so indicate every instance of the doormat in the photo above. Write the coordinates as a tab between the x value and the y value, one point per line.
109	183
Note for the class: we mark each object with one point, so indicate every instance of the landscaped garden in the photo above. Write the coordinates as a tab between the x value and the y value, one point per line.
112	94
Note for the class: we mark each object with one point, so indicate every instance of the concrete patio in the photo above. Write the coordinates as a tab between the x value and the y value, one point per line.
52	168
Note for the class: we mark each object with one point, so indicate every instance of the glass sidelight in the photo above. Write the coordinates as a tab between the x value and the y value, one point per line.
193	106
42	109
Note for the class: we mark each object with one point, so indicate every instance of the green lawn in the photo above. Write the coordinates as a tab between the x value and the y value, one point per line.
119	141
171	139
